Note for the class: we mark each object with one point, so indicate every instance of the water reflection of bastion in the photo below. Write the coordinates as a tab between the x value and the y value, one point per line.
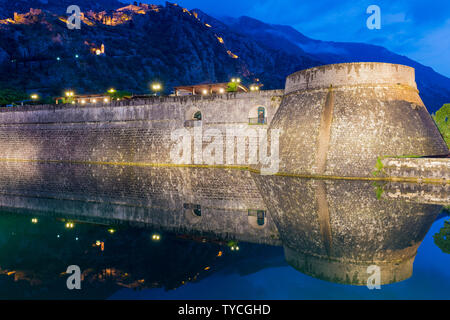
335	230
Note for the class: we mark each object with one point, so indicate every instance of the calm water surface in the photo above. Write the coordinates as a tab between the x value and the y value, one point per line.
172	233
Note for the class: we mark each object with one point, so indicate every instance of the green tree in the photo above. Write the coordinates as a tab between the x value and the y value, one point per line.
119	94
9	96
442	239
442	119
232	87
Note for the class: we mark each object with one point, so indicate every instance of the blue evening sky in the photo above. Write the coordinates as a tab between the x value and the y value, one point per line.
415	28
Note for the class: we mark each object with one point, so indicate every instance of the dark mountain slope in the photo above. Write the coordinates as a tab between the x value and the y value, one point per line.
169	44
434	88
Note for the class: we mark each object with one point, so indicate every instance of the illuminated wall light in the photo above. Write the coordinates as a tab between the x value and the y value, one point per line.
156	87
205	92
112	231
34	220
94	100
222	90
34	96
156	237
70	225
83	101
106	100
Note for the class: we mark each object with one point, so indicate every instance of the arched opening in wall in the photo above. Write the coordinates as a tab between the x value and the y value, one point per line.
197	116
257	218
192	212
257	115
194	118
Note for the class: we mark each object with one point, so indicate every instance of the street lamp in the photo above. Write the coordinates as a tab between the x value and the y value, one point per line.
156	87
34	97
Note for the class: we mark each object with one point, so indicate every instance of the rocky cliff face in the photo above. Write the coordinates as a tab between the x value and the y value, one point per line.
141	44
145	43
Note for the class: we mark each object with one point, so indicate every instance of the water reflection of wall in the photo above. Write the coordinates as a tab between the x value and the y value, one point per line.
33	259
217	201
331	230
334	230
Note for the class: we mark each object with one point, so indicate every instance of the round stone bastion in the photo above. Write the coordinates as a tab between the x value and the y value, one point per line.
336	120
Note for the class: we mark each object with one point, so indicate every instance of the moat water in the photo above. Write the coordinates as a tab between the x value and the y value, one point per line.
173	233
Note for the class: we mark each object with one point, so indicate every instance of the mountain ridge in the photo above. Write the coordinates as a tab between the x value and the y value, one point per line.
174	45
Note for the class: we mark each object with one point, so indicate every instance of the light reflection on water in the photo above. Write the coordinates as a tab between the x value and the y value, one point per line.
178	233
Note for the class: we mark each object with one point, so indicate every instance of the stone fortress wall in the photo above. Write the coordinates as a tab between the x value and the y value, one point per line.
334	121
136	131
337	120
